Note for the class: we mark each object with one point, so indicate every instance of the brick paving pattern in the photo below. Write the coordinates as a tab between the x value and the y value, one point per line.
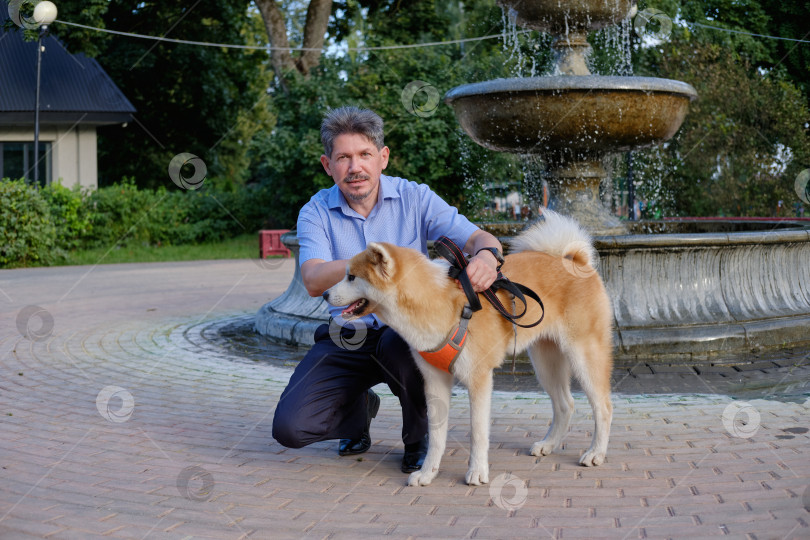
120	419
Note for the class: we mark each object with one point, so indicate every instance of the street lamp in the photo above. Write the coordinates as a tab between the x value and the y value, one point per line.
44	14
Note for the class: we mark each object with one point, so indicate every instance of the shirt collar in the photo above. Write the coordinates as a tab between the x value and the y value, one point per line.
387	189
338	200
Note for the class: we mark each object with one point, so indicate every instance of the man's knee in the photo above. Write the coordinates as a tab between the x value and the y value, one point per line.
286	432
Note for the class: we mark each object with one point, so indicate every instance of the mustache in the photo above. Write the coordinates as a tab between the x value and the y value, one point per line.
358	176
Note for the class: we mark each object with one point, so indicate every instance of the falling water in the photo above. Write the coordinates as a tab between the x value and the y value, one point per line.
613	56
473	191
614	44
511	42
536	62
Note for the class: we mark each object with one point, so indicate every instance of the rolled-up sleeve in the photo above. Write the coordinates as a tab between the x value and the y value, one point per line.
313	240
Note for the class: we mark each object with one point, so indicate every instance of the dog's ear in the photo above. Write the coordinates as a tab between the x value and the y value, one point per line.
380	259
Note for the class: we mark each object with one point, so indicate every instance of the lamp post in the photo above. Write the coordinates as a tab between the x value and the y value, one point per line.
44	14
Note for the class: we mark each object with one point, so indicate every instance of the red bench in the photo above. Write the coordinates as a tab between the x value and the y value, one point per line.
270	243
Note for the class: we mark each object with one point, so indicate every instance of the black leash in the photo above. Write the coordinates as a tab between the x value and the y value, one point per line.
458	263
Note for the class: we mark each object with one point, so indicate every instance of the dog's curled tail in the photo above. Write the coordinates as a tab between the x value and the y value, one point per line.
560	236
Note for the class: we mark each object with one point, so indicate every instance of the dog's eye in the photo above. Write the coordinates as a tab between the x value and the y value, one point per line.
349	277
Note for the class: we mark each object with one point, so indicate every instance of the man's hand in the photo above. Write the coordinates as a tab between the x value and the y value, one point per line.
482	270
482	267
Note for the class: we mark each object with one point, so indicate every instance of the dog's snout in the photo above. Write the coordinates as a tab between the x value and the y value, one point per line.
326	295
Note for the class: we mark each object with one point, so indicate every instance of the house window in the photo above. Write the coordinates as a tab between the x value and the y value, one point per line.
17	161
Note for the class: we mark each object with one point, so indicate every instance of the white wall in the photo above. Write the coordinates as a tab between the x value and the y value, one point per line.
74	157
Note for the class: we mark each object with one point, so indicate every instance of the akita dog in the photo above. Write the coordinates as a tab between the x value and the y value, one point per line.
415	296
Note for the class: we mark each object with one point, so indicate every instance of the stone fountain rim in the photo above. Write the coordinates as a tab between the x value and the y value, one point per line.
689	240
563	83
800	234
725	327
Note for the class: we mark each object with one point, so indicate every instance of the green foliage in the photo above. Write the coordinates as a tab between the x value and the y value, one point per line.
426	147
27	232
744	139
789	20
204	100
124	214
69	214
42	226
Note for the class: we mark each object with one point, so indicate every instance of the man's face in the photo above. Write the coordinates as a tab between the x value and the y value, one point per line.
356	165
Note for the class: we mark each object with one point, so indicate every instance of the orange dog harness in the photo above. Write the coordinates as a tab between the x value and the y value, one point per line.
443	356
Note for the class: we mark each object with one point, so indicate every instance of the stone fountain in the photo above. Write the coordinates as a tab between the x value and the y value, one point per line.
572	118
693	292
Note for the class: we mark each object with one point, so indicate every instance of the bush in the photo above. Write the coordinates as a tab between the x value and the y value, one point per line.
27	232
69	213
119	214
40	226
122	214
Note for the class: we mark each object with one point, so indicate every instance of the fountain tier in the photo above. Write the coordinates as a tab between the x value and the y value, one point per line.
571	118
560	18
573	121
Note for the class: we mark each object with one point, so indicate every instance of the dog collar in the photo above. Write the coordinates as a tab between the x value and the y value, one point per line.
444	356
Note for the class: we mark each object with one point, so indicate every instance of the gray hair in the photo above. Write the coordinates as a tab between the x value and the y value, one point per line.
351	120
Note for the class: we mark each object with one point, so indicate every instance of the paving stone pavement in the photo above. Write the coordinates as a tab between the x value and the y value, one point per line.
119	419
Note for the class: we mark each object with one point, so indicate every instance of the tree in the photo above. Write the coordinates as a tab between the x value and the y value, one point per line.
207	101
745	138
426	141
315	25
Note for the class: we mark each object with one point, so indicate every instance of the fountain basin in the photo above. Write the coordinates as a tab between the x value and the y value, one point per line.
571	117
684	297
707	295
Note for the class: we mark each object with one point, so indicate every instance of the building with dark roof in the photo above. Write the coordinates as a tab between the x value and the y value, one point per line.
76	96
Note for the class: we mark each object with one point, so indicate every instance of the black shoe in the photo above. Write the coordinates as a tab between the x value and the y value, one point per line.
350	447
414	455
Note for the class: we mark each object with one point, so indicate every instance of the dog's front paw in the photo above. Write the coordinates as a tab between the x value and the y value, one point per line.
421	478
542	448
477	476
592	458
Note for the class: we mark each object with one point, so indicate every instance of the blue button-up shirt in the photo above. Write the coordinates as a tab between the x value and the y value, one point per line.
406	214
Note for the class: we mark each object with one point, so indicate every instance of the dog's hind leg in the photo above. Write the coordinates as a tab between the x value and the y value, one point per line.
480	413
438	385
594	377
553	372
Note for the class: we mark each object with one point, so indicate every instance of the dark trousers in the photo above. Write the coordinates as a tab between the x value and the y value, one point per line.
326	396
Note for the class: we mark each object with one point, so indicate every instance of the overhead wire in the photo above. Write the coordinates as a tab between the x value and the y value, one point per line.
378	48
746	33
271	48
